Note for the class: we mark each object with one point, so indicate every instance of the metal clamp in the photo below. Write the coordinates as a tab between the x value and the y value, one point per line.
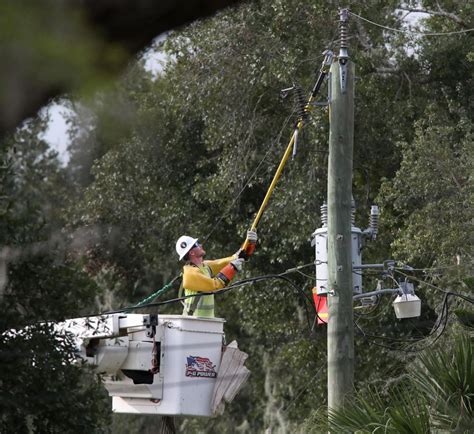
150	322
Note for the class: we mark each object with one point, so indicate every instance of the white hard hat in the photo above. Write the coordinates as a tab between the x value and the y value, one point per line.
184	245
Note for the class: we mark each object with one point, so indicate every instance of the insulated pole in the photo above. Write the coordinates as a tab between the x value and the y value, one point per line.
341	139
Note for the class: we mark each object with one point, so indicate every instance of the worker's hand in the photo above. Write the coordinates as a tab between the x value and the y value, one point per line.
251	244
249	249
237	264
252	237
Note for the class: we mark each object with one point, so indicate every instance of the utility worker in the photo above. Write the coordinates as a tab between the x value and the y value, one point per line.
200	276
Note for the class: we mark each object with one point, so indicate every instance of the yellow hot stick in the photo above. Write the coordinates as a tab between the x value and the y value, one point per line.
322	73
276	177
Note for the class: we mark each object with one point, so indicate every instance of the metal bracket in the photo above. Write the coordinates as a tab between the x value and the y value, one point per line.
343	71
320	103
407	287
150	322
327	62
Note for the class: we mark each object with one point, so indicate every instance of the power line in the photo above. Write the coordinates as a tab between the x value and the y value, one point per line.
235	285
413	32
425	270
437	330
422	281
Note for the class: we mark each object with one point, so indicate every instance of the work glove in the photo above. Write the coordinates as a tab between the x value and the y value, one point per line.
252	237
237	264
252	242
228	272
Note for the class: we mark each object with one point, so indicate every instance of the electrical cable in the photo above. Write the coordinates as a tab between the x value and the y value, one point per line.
438	328
421	281
159	291
218	292
440	325
169	284
305	275
393	278
374	307
445	267
413	32
434	329
291	270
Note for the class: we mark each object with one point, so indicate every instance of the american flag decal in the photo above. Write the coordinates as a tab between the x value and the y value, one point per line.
197	366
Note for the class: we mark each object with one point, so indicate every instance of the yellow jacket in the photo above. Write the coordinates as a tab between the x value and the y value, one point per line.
201	278
194	278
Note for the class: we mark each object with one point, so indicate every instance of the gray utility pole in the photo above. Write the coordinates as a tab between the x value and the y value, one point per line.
341	142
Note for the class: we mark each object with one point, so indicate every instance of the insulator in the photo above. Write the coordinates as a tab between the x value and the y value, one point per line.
343	30
324	214
343	19
343	35
300	102
374	220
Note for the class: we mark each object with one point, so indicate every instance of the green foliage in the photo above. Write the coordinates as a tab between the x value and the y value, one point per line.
371	412
203	144
446	377
435	395
431	192
42	391
465	317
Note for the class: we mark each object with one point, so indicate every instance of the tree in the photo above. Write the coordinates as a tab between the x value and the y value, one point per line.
42	390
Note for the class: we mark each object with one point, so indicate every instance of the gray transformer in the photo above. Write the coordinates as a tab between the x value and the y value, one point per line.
320	243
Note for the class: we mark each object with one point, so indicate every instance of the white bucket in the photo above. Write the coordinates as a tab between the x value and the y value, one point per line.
191	350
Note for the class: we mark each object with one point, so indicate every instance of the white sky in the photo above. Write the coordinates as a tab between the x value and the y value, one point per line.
57	133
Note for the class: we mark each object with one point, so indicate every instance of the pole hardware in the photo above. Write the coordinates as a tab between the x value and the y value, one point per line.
387	265
373	229
323	73
150	322
343	53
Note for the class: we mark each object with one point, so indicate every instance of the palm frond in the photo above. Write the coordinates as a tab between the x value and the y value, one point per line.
409	412
365	414
446	378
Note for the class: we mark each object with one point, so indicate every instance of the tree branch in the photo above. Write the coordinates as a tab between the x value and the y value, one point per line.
439	13
363	36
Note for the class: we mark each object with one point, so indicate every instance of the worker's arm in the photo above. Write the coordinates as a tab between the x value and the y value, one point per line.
217	265
195	280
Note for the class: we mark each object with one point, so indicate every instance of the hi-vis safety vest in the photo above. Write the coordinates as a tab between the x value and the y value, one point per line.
201	280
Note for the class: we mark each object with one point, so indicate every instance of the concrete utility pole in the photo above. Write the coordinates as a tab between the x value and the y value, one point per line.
341	140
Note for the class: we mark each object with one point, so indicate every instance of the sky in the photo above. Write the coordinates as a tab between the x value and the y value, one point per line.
57	132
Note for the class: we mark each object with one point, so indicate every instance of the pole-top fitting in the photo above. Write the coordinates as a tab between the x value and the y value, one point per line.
343	53
343	20
344	14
